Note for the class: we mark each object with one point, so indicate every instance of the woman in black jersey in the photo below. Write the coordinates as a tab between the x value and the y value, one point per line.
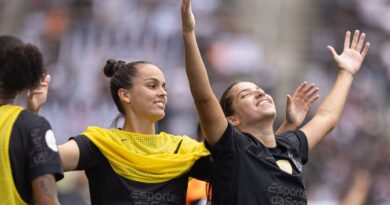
135	165
29	160
251	165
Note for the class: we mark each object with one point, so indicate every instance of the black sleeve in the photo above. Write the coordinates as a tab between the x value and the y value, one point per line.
297	139
231	142
200	170
90	155
42	152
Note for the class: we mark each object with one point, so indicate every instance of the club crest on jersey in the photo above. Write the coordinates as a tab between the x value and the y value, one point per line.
297	163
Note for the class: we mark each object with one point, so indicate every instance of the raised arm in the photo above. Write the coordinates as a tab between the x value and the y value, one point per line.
211	116
329	112
298	105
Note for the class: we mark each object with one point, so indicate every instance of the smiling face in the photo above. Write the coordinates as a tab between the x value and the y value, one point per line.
148	96
251	104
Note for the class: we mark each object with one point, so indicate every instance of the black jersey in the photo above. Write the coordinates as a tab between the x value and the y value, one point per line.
245	171
107	187
33	152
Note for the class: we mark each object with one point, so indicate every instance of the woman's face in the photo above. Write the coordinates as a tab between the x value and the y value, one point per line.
148	94
251	103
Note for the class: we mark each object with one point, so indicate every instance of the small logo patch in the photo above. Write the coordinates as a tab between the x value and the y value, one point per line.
51	140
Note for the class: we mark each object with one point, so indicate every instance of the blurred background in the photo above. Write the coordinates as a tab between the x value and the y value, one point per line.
277	44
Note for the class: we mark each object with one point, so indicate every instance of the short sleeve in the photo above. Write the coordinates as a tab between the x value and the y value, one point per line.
42	152
89	153
231	142
298	140
201	169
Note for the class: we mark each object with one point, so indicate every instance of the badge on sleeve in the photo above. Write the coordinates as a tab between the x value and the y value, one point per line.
51	140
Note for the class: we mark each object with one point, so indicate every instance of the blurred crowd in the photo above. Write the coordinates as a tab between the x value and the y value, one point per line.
78	36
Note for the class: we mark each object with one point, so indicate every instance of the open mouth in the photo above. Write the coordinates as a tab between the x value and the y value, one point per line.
262	102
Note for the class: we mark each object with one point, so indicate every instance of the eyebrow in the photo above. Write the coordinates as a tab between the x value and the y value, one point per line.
154	80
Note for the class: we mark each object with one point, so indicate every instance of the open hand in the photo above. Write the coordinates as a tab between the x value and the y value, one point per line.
353	54
299	104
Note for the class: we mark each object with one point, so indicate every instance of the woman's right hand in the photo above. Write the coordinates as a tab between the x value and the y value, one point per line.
37	97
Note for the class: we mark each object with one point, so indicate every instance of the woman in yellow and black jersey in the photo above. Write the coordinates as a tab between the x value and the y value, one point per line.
134	164
29	160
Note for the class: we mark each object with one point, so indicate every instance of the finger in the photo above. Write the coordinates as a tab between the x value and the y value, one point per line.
332	52
308	89
355	39
312	92
347	39
365	49
185	4
361	42
289	100
47	79
313	99
300	88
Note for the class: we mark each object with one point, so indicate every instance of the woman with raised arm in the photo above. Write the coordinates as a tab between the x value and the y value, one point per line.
134	164
29	160
252	165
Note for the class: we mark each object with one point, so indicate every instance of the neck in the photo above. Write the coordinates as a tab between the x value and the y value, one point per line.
264	132
6	101
6	98
139	125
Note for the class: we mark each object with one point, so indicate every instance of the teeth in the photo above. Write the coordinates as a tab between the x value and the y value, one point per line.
263	102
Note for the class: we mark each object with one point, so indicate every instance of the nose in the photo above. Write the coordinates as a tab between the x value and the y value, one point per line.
259	92
162	92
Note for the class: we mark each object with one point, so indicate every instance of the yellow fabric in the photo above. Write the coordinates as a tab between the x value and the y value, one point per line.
8	193
146	158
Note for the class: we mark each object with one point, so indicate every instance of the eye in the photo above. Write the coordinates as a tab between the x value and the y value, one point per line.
153	86
245	95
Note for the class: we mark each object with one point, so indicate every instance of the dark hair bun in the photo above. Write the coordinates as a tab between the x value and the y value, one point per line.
112	66
23	68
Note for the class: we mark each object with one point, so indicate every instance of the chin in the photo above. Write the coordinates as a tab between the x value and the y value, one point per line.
159	116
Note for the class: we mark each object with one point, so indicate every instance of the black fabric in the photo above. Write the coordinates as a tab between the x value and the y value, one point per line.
29	153
245	171
107	187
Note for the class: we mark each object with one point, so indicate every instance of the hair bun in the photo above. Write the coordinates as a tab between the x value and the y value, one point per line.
112	66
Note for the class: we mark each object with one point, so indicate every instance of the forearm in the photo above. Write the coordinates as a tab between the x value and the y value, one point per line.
331	108
196	70
44	190
211	116
286	126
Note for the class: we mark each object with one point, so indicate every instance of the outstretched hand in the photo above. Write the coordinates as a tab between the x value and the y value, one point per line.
187	17
353	54
37	97
299	104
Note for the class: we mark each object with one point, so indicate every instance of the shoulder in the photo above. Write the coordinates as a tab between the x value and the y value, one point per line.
27	118
292	137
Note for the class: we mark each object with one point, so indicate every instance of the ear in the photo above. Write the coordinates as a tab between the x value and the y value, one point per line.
124	95
233	120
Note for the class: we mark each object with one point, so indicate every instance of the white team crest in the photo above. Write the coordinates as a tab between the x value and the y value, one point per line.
51	140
